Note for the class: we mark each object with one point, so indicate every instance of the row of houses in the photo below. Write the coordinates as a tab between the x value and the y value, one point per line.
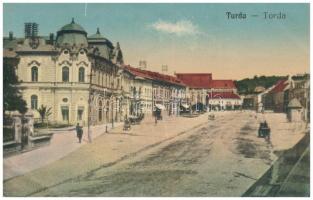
206	93
286	96
84	79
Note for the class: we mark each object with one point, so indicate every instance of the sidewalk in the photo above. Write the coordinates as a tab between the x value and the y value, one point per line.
62	143
106	150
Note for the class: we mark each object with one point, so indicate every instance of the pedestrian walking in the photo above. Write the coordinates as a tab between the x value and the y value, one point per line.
79	132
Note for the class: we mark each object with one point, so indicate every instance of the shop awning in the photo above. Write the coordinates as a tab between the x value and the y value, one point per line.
185	106
160	106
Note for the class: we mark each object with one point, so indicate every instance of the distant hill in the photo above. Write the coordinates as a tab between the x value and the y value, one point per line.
248	85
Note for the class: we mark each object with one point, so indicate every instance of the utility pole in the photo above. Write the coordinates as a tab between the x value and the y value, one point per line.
112	111
89	107
106	110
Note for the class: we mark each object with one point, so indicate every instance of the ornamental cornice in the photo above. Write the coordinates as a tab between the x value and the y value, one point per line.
34	62
82	62
65	62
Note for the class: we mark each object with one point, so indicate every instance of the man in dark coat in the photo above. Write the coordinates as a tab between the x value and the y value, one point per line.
79	132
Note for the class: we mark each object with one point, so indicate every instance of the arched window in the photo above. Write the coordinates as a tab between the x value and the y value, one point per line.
81	74
100	111
34	74
118	83
99	77
34	101
65	74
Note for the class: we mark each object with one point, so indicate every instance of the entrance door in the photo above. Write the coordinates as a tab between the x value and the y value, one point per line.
65	113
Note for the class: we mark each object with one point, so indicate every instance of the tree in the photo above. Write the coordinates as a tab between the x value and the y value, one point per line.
44	112
248	85
12	98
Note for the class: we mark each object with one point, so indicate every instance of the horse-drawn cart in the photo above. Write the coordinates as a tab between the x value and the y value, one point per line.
127	125
264	130
211	117
136	119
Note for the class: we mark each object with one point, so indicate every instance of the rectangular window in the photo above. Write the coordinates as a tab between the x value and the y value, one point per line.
65	113
65	74
80	113
34	101
34	74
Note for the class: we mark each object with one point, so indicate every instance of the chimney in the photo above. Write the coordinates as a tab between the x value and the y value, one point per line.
30	29
10	35
164	68
142	64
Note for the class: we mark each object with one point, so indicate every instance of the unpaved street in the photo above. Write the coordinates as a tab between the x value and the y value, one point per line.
220	158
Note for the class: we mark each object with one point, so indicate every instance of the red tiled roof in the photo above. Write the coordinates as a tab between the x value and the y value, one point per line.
195	80
136	71
223	95
204	80
280	86
154	75
228	84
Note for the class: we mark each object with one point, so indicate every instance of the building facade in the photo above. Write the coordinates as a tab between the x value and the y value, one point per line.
140	92
224	101
153	90
206	93
300	90
277	98
67	72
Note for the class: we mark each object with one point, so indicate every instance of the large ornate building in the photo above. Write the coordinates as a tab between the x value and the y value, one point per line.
68	71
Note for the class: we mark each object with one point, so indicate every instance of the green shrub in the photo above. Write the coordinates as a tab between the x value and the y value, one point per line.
8	134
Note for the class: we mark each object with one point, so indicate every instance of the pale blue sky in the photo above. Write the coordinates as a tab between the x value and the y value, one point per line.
186	37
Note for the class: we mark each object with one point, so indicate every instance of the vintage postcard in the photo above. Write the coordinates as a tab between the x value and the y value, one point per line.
156	100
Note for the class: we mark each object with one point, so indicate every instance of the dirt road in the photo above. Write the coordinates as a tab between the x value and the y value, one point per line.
220	158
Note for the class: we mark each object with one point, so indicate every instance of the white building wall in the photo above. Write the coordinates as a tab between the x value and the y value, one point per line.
224	102
50	89
45	64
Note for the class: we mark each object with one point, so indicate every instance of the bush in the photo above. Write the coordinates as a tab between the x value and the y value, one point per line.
8	134
59	125
45	125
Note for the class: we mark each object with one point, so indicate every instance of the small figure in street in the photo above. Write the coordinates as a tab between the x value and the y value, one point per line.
126	123
268	134
79	132
265	124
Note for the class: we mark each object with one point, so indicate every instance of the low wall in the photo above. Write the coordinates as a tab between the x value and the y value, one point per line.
270	183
